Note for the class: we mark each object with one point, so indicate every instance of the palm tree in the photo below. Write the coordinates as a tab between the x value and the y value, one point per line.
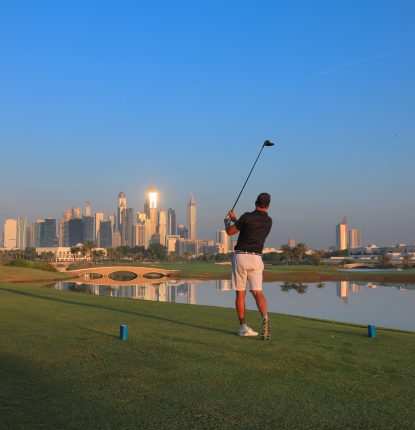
75	251
317	256
286	252
301	249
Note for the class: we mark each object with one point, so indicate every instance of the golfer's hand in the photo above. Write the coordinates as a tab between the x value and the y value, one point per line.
232	216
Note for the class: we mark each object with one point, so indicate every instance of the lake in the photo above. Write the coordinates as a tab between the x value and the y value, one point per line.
385	305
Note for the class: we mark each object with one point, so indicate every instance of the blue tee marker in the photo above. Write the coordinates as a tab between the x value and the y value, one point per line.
371	331
123	332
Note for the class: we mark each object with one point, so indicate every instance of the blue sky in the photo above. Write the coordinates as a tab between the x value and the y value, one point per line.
98	97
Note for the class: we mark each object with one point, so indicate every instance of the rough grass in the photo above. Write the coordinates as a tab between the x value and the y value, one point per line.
63	367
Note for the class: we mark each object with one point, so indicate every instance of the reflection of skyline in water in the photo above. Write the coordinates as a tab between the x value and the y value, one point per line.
159	292
384	304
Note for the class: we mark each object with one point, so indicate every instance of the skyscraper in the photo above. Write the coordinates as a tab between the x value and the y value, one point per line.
171	222
191	218
76	213
142	232
63	231
150	208
111	217
182	231
76	231
37	233
99	217
21	233
341	235
354	238
224	240
116	239
127	227
88	229
49	238
10	233
105	234
291	242
122	204
141	216
87	209
162	226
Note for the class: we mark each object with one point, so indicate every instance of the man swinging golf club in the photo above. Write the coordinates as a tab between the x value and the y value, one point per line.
253	228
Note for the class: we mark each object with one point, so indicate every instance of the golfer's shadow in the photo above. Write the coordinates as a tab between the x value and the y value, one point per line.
90	305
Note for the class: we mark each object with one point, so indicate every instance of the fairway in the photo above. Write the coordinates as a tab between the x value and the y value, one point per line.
63	366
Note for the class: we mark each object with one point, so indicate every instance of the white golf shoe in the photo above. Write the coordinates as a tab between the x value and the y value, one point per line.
244	330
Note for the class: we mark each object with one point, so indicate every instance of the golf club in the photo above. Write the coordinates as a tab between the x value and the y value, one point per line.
266	143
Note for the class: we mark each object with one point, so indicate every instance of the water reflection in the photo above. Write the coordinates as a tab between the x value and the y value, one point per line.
171	291
384	304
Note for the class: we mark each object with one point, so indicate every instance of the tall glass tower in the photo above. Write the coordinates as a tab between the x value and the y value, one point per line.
150	208
122	204
171	222
191	217
341	235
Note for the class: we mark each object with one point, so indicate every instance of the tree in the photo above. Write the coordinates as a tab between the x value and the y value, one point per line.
30	253
47	256
272	258
301	249
171	256
188	255
317	256
406	261
286	252
87	248
384	260
75	251
113	254
97	255
156	252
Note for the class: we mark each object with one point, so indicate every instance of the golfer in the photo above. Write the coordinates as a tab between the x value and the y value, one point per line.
253	228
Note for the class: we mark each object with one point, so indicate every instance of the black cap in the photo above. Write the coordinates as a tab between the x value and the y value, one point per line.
263	200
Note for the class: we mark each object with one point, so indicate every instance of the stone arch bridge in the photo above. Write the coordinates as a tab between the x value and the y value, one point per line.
138	275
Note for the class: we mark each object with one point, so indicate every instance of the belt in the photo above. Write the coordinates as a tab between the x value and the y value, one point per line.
246	252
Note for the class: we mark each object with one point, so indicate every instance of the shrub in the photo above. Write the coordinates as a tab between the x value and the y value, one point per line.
40	265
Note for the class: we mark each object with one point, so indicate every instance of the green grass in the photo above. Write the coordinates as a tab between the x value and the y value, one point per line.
63	367
12	274
295	273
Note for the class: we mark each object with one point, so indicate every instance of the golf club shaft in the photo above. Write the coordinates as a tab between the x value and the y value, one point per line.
233	207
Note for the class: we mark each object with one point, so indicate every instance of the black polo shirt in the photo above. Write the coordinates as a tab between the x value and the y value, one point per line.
254	228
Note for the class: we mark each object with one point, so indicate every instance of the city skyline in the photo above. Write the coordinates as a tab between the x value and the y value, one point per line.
161	221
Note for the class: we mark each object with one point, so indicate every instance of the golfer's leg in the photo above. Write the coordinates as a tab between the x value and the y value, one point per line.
240	306
261	301
255	282
239	277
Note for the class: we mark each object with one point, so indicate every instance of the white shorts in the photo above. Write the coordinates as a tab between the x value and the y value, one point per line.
247	267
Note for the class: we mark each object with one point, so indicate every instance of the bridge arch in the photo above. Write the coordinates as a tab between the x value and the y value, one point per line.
106	275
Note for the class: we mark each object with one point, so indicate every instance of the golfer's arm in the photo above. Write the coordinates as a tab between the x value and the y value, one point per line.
230	231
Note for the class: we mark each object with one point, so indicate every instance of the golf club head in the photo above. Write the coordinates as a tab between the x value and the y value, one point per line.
268	143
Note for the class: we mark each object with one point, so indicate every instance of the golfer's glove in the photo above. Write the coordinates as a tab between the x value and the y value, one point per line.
227	222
